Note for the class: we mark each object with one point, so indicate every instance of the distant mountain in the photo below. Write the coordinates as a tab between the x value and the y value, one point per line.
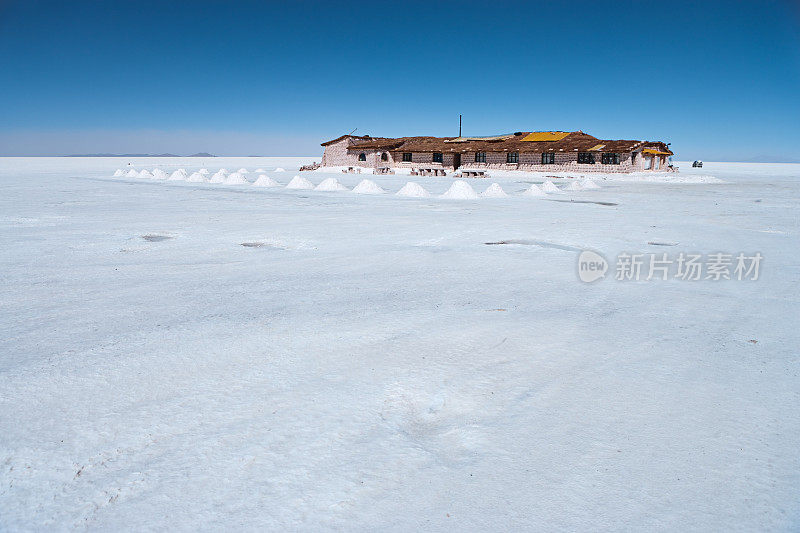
199	154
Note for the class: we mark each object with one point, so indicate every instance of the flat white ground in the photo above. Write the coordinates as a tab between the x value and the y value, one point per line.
367	362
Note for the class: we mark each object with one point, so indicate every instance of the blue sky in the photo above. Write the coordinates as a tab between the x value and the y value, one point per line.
720	80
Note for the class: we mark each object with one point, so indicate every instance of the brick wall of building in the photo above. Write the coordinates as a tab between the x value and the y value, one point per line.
531	161
337	155
422	159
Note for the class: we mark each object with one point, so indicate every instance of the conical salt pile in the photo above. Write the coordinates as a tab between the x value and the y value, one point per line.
219	176
132	174
204	171
259	170
589	184
236	178
413	190
145	174
460	190
279	169
223	170
265	181
159	174
368	187
243	171
179	174
298	182
119	173
574	186
548	186
196	177
330	184
534	190
494	191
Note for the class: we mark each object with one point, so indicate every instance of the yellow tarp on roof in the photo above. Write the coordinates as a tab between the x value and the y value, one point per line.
654	151
546	136
596	147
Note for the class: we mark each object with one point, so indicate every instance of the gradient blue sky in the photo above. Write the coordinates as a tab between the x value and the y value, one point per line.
720	80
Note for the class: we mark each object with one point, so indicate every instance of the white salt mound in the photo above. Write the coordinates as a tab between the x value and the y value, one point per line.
159	174
534	190
132	174
368	187
179	174
223	170
299	182
460	190
330	184
259	170
413	190
196	177
548	186
243	171
145	174
204	171
279	169
218	177
574	186
118	173
494	191
236	178
589	184
265	181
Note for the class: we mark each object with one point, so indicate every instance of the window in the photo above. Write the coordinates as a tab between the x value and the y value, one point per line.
480	157
512	157
407	157
438	157
384	156
362	156
549	158
586	158
610	159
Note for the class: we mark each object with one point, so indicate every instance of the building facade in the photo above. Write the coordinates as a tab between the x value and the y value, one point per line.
543	151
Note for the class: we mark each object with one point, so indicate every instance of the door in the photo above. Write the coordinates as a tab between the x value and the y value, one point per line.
456	161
